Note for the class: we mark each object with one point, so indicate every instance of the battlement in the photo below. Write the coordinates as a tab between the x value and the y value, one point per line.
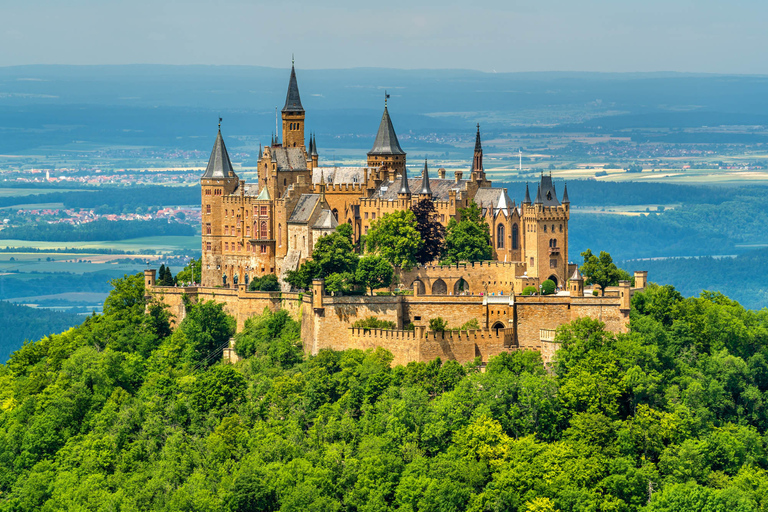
346	188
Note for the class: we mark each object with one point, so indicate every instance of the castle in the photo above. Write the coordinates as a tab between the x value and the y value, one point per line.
250	230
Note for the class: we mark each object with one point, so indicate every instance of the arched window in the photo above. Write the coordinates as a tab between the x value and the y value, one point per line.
336	213
561	228
224	279
285	182
514	236
280	235
263	230
500	236
545	228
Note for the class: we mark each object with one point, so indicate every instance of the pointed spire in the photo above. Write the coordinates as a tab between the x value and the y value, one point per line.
292	98
576	275
404	188
565	194
219	165
527	199
386	139
260	153
310	145
478	145
313	151
425	190
538	196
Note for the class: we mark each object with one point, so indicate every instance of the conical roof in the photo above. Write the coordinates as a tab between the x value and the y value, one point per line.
538	196
565	194
386	140
478	146
219	165
576	275
425	190
527	199
292	99
313	150
404	188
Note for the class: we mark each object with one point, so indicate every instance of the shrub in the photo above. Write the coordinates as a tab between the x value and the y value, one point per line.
275	336
595	293
548	287
437	324
267	283
373	323
529	290
472	324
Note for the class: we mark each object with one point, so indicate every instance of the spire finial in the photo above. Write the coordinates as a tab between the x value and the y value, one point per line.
219	123
386	97
292	60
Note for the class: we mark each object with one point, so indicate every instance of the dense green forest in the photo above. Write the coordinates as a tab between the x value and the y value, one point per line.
97	230
114	199
12	286
741	278
24	323
120	414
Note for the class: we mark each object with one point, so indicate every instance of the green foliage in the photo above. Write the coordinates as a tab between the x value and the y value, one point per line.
265	283
274	336
97	230
374	271
207	329
671	416
164	276
374	323
438	324
468	239
22	323
529	290
470	324
600	270
332	254
548	287
394	236
192	272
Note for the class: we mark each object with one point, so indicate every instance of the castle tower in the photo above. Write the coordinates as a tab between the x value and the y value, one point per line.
576	284
405	190
478	172
219	180
293	115
386	151
546	234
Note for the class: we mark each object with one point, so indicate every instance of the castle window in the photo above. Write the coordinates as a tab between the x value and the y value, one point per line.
531	261
552	263
515	236
553	228
545	228
207	208
561	228
280	235
263	211
248	230
263	249
263	230
208	229
207	246
366	215
373	215
500	236
226	246
442	217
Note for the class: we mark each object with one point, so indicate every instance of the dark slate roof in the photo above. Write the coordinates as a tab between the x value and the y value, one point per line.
538	195
313	151
565	194
289	159
304	208
527	199
386	140
292	98
326	220
440	188
548	193
219	165
425	190
404	185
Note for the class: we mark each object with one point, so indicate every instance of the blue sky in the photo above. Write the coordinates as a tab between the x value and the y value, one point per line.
714	36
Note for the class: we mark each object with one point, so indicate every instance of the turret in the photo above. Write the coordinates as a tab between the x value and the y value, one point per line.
386	151
527	200
293	114
426	191
576	284
405	190
313	151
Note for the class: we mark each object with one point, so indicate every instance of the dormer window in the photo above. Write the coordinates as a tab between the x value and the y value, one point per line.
549	196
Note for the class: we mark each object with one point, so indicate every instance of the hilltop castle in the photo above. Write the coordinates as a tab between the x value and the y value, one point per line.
271	227
250	230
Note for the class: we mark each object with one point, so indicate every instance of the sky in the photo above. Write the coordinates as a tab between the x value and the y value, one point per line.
705	36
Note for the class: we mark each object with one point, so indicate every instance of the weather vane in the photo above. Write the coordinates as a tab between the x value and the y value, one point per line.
386	97
219	122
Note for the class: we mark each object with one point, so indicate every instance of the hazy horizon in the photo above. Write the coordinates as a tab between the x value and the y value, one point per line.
554	35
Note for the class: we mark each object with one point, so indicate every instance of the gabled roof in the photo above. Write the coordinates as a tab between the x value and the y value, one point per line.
219	165
386	140
339	174
304	208
495	198
425	189
292	98
326	220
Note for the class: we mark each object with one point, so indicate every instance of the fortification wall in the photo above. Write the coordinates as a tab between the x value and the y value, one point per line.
482	277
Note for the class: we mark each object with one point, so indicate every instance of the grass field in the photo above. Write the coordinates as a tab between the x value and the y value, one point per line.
21	192
164	244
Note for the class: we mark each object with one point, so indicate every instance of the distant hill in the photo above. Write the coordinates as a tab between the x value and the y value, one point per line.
24	323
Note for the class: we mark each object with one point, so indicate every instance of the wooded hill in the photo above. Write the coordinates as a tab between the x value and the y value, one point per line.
120	414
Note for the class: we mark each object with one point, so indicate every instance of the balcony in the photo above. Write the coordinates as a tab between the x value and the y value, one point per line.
554	250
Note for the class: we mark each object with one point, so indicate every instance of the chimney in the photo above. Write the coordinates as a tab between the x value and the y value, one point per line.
458	175
641	278
441	173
